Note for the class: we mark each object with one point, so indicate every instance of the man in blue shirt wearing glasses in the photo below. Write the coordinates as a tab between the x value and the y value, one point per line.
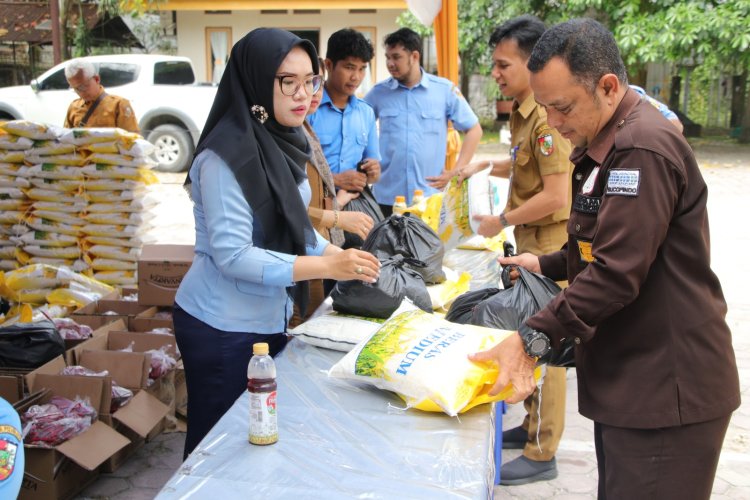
414	107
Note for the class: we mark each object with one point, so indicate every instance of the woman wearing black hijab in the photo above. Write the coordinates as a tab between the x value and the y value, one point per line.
254	247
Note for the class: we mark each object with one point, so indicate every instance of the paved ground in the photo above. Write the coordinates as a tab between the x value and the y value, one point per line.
726	168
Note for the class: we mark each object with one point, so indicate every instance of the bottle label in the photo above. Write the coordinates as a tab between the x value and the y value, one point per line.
263	426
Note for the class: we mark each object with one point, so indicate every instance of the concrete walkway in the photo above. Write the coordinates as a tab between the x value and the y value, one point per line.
726	168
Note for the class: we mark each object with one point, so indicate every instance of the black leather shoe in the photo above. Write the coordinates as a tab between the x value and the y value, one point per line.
523	471
515	438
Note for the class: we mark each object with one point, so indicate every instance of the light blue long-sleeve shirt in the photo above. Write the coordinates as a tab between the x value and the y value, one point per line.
232	284
413	131
346	136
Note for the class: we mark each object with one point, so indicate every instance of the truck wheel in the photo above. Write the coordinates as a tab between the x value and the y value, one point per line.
174	148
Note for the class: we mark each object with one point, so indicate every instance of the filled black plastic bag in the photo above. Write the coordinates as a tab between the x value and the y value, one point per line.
463	306
29	345
411	237
380	299
365	203
510	308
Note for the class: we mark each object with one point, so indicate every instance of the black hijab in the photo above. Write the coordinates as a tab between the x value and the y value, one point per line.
268	159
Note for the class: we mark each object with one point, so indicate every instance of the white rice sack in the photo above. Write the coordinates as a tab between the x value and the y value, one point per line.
14	142
424	359
74	207
115	195
51	195
52	226
53	252
61	159
99	264
9	264
114	185
7	240
11	156
44	148
68	218
12	193
116	277
113	231
59	185
12	169
101	147
136	241
11	217
102	171
123	219
13	204
138	205
484	198
14	229
139	148
45	239
54	171
117	253
7	252
81	136
32	130
336	331
14	181
121	160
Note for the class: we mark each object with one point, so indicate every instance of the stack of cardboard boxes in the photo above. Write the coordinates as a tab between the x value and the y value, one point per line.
63	471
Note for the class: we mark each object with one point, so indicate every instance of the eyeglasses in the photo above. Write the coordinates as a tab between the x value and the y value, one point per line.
290	85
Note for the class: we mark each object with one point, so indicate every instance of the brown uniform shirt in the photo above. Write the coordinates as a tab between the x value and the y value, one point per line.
536	150
643	305
112	111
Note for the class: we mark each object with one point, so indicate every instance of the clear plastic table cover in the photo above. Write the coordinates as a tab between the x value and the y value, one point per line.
340	439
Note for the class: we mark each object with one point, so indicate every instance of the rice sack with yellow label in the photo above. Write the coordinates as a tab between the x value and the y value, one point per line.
424	359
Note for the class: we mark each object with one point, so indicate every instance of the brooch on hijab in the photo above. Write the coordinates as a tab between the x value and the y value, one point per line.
259	112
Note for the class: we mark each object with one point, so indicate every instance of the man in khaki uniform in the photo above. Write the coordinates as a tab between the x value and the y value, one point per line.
95	108
538	207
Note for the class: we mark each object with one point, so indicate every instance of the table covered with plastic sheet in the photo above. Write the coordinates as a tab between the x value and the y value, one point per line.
341	439
338	439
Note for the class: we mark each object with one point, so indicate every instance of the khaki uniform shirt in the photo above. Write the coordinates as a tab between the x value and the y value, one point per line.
536	150
112	111
645	310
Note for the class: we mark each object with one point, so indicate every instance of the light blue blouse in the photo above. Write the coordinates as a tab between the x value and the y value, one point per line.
232	284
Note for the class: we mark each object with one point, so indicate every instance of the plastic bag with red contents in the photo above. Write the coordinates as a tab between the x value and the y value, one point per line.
71	330
161	362
57	421
120	395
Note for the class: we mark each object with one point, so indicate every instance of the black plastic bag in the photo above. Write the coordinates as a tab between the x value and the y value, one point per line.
367	204
463	306
29	345
411	237
380	299
510	308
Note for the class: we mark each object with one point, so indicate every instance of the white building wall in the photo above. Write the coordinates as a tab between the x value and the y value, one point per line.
191	33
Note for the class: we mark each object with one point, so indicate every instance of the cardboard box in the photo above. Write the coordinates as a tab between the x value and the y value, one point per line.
160	272
114	324
141	419
11	388
63	471
148	321
104	311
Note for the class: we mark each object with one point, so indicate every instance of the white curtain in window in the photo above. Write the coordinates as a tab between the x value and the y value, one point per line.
219	52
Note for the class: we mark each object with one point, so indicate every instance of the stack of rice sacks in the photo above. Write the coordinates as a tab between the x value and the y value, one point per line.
88	199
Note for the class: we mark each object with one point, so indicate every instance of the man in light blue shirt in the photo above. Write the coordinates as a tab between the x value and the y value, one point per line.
663	108
414	108
344	123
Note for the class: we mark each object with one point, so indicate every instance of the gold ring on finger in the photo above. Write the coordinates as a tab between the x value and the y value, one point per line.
359	270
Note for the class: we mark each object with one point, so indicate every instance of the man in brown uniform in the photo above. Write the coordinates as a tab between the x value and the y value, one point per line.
95	108
656	368
538	207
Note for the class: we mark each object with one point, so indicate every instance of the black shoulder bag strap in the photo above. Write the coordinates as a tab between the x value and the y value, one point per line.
91	110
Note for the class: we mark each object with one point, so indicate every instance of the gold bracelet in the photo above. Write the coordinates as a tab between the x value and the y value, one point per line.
335	218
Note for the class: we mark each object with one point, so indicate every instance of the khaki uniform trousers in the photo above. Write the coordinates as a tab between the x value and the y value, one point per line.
546	422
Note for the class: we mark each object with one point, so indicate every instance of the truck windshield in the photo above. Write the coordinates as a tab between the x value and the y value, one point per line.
116	74
173	73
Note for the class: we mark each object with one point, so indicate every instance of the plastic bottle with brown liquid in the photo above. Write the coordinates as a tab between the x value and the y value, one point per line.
261	384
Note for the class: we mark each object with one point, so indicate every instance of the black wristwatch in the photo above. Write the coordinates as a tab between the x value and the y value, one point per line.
536	344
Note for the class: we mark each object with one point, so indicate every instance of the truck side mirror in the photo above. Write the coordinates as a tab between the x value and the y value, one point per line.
34	85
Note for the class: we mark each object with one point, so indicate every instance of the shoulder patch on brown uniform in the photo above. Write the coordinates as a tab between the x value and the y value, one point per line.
542	128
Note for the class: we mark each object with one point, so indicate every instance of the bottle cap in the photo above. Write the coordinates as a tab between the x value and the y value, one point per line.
418	192
260	349
400	199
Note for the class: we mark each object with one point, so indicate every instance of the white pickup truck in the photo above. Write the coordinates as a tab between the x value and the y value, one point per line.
171	108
